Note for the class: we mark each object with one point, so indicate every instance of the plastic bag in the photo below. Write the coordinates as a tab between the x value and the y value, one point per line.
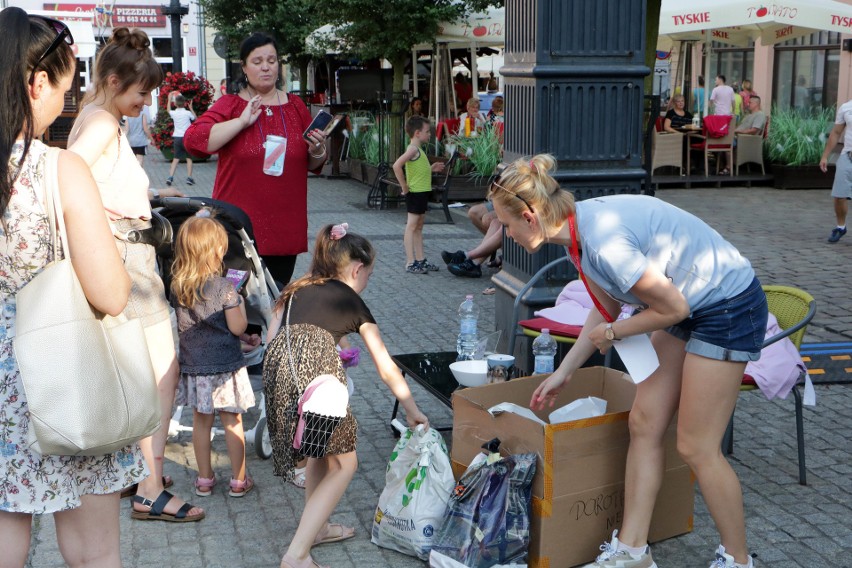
418	484
487	521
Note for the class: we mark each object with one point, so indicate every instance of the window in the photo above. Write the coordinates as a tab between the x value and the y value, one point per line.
163	46
806	71
735	63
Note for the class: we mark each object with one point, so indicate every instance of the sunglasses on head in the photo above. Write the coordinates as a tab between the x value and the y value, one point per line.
62	34
501	169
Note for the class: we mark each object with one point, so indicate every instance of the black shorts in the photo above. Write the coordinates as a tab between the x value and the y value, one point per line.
179	150
139	150
417	203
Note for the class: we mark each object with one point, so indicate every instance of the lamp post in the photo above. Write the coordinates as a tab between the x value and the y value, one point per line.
578	96
174	11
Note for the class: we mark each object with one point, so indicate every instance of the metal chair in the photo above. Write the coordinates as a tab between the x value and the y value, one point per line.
442	190
794	309
518	330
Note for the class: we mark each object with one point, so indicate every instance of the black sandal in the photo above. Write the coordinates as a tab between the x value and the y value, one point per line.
157	512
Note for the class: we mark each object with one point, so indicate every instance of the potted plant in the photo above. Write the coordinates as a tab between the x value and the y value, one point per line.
480	154
794	146
360	124
196	89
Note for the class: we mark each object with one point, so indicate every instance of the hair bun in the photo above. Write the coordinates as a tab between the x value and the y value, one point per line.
133	39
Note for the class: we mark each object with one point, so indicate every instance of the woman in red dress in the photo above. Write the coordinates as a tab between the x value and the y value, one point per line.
237	127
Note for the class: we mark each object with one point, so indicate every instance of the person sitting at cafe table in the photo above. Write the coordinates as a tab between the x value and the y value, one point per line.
753	123
478	119
677	116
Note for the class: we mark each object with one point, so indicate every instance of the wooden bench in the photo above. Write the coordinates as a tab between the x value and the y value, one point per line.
379	197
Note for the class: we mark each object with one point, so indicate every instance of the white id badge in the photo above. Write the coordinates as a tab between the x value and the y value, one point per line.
273	159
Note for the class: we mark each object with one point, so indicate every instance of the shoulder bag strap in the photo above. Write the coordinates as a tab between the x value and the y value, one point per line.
287	331
53	204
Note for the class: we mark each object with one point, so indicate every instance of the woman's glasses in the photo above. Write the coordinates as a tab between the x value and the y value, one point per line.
62	34
501	168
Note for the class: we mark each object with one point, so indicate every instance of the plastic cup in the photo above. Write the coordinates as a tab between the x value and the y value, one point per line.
273	160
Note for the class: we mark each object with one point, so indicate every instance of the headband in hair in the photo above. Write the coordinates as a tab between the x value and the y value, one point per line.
339	231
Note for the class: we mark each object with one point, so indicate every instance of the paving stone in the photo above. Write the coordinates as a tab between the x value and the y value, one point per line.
781	232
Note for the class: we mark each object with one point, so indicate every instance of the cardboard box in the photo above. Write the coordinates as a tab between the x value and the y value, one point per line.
578	489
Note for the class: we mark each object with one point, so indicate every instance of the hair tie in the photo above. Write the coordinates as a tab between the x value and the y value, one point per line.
532	167
339	231
203	212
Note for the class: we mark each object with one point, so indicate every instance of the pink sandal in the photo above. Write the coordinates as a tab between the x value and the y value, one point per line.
204	486
308	562
240	488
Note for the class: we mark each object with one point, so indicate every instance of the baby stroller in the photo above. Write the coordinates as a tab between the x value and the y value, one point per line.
260	290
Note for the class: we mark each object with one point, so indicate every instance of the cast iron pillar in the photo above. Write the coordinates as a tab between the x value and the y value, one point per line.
175	11
574	76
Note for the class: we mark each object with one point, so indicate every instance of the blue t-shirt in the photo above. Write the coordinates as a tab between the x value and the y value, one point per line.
622	235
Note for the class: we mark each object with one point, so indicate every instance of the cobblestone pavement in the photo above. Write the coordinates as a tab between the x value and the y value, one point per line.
782	232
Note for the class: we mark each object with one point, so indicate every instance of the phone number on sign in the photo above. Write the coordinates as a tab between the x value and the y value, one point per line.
120	19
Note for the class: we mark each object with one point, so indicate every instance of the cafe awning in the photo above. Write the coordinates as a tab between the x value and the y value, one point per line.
736	22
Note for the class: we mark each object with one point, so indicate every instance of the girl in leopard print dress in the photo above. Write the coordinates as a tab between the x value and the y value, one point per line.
318	310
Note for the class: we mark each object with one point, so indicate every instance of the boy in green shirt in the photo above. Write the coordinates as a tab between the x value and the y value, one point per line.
414	174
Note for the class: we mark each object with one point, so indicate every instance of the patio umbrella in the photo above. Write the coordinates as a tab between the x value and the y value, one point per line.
736	22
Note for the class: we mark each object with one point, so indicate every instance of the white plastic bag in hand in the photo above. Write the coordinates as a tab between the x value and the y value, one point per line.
418	484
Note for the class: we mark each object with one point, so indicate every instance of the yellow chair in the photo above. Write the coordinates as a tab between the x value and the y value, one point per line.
794	309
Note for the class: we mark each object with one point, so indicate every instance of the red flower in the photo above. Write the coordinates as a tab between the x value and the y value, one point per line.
195	88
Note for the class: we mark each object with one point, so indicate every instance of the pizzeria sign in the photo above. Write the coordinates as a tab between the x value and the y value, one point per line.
112	16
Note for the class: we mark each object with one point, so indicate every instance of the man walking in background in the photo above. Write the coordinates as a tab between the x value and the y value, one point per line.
841	191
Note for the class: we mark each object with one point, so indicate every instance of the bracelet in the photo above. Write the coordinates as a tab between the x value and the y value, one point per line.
318	155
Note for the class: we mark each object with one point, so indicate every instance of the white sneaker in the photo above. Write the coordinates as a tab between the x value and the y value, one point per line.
611	557
725	560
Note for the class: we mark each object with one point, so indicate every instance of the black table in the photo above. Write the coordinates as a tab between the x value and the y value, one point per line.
432	372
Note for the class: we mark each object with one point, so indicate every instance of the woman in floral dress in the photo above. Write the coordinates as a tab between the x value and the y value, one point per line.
36	71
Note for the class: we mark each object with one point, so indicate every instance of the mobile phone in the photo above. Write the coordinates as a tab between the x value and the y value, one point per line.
323	121
237	277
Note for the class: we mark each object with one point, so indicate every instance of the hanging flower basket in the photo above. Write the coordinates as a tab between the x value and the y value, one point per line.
196	89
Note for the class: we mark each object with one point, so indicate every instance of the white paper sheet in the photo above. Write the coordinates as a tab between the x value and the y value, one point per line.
638	355
515	409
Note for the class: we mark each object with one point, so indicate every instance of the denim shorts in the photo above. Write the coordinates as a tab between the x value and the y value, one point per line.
730	330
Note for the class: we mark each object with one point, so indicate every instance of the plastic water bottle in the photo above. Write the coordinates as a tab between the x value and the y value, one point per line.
468	336
544	350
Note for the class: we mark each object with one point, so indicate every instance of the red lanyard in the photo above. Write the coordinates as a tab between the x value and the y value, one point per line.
574	251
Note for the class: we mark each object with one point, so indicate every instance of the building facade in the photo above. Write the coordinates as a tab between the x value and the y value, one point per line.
810	72
196	39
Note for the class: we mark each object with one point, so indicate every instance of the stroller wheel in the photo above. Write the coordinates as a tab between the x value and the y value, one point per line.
262	444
